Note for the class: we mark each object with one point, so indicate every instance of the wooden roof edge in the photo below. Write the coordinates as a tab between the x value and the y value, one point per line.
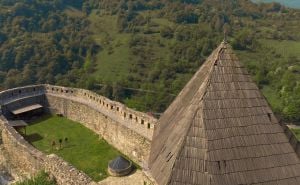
206	83
212	59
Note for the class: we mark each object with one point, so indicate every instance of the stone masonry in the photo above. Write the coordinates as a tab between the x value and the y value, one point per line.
127	130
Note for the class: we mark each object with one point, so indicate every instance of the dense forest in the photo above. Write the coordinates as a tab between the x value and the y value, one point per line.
142	52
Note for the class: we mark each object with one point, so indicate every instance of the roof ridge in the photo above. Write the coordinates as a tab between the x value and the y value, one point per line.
185	151
206	83
207	68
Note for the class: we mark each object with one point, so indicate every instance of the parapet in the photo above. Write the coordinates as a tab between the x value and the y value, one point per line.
133	135
139	122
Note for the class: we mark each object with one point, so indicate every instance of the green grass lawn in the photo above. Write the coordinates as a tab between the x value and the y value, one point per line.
297	133
285	48
272	97
84	149
113	62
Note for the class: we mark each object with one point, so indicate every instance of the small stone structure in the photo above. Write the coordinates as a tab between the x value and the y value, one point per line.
127	130
119	167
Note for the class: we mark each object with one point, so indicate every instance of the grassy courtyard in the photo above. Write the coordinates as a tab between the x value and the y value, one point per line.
82	148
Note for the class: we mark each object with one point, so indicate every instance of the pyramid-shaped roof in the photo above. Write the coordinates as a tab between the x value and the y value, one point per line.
120	163
220	130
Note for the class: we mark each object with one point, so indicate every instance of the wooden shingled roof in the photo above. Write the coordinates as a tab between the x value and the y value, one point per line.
221	131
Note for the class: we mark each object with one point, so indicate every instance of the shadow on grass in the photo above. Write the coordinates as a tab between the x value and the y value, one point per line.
39	119
33	137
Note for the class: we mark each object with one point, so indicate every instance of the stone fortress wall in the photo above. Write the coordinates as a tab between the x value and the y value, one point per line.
29	161
127	130
292	138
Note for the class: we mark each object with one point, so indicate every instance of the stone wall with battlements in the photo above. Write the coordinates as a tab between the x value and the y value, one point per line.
120	136
139	122
128	130
292	138
29	161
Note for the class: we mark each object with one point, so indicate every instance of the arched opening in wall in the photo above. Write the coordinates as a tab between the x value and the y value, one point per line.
136	119
67	91
52	89
148	125
118	108
130	116
142	122
124	114
61	91
84	94
71	91
107	105
20	91
111	107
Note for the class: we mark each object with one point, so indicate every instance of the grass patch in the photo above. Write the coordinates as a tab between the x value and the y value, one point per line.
41	179
113	62
276	57
296	132
285	48
83	148
273	98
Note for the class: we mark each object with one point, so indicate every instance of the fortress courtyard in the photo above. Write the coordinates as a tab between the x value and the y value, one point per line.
79	146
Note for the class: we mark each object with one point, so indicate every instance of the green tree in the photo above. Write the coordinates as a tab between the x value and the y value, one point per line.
244	40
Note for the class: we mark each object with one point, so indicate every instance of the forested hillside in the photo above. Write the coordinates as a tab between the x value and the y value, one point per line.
152	46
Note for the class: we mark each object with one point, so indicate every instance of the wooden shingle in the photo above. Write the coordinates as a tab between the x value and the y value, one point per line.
220	130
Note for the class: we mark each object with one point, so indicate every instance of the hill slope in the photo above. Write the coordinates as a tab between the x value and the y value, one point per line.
114	47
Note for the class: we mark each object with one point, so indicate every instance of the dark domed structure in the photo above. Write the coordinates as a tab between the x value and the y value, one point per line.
119	167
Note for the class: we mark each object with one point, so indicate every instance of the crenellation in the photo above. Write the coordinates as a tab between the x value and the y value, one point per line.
186	139
129	134
16	93
109	107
